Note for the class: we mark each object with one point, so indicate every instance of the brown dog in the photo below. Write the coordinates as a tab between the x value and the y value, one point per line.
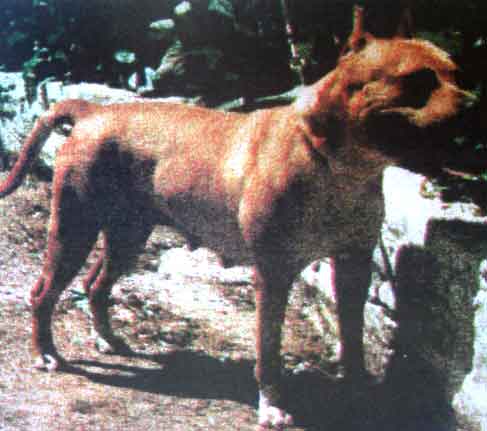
275	188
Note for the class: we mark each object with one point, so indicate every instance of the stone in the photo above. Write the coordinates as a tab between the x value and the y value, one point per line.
470	402
202	264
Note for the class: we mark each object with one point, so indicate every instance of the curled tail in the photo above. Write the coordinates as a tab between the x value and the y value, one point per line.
68	111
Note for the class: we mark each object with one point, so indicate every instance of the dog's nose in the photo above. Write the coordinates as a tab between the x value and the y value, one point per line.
468	99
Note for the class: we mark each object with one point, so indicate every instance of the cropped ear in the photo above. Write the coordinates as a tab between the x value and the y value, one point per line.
405	28
358	38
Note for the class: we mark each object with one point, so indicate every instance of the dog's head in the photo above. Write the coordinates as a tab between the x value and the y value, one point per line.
395	97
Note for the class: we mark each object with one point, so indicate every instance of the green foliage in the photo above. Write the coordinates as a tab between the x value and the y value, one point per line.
183	8
16	38
222	7
164	27
195	47
125	57
451	42
40	56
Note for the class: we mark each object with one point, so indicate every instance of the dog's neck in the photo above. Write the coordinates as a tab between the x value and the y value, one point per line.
327	128
345	153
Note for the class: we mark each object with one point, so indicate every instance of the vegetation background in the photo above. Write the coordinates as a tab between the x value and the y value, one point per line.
242	41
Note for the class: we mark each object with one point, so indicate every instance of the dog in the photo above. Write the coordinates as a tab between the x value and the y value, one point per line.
275	188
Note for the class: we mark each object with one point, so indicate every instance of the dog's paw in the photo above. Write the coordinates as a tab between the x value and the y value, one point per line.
102	346
272	417
47	363
113	346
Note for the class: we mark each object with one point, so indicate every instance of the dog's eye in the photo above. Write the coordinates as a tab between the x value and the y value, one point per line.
354	87
418	86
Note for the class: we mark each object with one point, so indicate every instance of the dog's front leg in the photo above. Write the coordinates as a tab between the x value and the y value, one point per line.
271	299
351	280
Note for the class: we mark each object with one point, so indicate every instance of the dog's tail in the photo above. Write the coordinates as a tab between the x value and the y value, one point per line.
66	112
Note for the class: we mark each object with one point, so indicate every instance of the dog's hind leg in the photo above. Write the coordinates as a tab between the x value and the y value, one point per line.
351	280
123	242
72	233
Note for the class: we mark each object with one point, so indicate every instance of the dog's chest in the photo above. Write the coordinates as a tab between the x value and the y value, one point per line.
334	218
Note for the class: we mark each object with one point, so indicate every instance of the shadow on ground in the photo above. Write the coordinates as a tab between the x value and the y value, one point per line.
409	399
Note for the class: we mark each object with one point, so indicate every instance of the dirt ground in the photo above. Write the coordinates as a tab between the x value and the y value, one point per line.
193	369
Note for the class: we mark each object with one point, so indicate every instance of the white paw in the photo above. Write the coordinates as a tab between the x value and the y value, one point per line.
102	345
271	416
47	363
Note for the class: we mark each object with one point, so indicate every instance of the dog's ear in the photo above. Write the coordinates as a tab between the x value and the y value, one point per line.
358	38
405	28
